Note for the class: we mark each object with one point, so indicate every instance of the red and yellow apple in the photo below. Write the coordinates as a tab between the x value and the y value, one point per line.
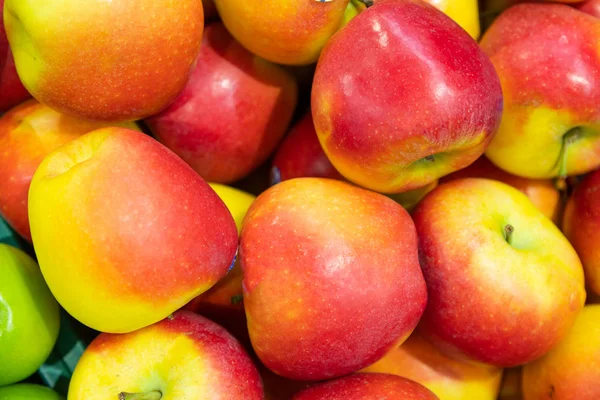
12	91
548	59
331	277
300	155
233	112
464	12
591	7
504	284
107	60
291	32
183	357
571	370
125	231
581	225
542	192
420	361
363	386
395	109
28	133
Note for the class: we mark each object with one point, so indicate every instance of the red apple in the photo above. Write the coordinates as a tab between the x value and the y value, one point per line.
233	112
331	277
29	132
504	284
12	91
301	155
184	356
367	386
126	232
402	95
542	192
590	6
581	225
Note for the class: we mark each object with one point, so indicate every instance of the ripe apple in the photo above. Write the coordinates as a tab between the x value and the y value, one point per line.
291	32
233	112
504	284
571	369
29	316
581	225
183	357
300	155
331	277
548	60
395	109
464	12
420	361
542	192
106	60
591	7
363	386
141	234
28	133
28	391
12	91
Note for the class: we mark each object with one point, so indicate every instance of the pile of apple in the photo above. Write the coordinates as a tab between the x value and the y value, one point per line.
302	199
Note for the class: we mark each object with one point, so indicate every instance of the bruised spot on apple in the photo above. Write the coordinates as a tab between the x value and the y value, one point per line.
183	357
504	284
141	233
104	60
402	96
548	59
331	277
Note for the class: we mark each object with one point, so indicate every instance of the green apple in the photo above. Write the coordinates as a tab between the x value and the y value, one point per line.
29	316
28	391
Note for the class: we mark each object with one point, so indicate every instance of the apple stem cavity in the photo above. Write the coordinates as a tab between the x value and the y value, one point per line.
153	395
508	233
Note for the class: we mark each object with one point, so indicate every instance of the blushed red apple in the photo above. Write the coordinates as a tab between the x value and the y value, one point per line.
331	277
232	113
111	60
183	357
367	386
12	91
504	284
402	96
581	225
28	133
125	231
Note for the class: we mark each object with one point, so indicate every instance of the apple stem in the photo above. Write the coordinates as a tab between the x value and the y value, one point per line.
153	395
508	233
570	137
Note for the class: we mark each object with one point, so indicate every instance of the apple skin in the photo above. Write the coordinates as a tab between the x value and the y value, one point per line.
290	33
185	357
464	12
477	282
29	316
571	370
12	91
331	277
300	155
591	7
367	386
392	134
547	130
28	391
581	225
141	233
420	361
104	60
542	192
28	132
232	113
